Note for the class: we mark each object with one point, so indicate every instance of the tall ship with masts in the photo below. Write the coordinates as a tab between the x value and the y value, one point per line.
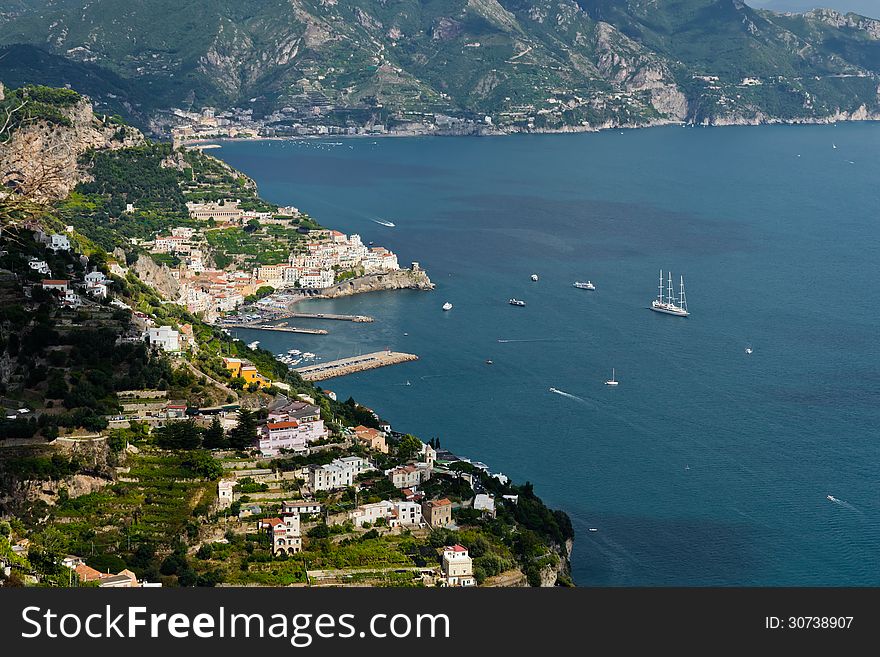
669	304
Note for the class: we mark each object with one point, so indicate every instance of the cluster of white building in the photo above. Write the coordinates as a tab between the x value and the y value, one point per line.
316	265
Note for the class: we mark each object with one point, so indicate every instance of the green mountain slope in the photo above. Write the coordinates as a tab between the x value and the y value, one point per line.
527	64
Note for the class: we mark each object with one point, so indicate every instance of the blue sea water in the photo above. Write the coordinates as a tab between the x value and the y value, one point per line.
705	466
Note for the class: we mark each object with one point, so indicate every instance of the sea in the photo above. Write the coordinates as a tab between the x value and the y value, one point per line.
706	465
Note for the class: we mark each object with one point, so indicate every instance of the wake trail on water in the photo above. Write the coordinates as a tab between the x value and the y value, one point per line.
502	341
562	393
845	505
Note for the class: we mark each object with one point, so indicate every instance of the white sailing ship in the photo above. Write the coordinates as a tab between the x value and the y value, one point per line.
669	305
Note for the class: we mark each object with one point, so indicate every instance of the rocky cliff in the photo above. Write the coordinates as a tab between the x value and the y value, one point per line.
40	153
401	279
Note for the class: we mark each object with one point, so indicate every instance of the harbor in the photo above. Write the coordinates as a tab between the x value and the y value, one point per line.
344	318
353	364
277	327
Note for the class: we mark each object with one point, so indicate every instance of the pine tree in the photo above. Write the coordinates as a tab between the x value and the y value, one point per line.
244	433
215	437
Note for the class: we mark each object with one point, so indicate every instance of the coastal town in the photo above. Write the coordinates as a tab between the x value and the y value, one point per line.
142	444
320	259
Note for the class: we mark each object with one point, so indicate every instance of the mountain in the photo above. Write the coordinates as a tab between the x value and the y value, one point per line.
864	7
406	64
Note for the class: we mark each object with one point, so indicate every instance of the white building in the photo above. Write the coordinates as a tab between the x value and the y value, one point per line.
225	493
368	514
40	266
339	473
300	506
485	503
406	514
458	567
59	242
284	533
164	337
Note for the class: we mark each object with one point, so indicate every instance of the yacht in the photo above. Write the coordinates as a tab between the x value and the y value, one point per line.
612	381
253	345
383	222
534	277
308	354
670	305
447	306
584	286
294	352
516	302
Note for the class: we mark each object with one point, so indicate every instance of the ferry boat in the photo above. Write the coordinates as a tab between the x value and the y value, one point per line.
447	306
584	286
534	277
516	302
670	305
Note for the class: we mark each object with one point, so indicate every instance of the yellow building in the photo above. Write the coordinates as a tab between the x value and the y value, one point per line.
242	368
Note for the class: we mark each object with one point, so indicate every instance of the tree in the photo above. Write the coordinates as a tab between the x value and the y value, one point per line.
214	437
408	447
179	435
244	433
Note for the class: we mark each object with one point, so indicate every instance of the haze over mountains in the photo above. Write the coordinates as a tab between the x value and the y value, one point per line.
511	64
864	7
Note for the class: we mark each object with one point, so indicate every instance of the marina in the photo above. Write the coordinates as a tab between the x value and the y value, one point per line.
352	364
343	318
278	327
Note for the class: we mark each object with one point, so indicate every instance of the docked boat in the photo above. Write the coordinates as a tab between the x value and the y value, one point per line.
308	354
584	286
447	306
669	305
516	302
254	344
294	352
534	277
612	381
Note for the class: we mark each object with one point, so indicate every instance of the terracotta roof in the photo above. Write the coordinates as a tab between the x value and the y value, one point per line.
50	281
282	425
88	574
456	548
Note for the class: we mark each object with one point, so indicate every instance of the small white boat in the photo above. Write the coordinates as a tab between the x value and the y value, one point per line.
308	354
834	146
488	362
254	344
534	277
831	498
612	381
382	222
447	306
408	383
584	286
749	350
294	352
593	529
516	302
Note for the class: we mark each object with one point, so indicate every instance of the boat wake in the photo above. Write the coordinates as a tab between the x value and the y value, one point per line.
562	393
843	503
531	340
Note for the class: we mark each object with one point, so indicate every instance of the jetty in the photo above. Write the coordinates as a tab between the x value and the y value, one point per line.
344	318
277	327
352	364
